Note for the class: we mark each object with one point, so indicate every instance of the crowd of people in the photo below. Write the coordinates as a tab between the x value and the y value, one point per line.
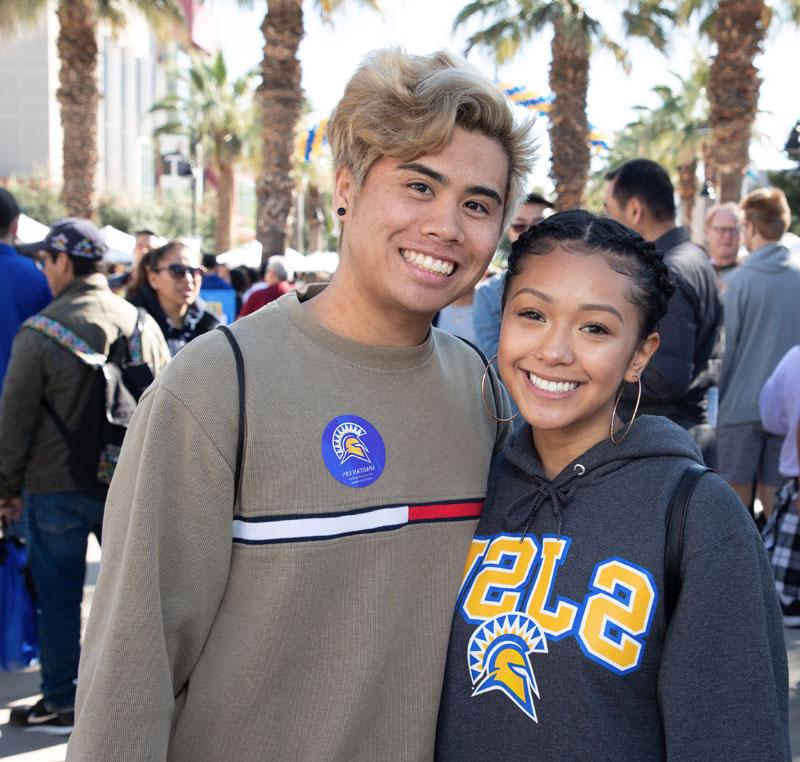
458	544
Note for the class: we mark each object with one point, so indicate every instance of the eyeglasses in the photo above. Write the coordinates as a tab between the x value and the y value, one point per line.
181	271
721	230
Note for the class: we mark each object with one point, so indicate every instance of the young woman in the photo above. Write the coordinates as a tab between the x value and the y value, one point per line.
561	647
170	278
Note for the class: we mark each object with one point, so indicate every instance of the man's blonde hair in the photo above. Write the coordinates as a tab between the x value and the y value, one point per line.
404	106
767	210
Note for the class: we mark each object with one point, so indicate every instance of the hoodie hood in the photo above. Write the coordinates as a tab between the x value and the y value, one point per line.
772	258
650	436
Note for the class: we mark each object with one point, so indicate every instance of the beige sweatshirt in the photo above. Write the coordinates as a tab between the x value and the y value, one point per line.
311	621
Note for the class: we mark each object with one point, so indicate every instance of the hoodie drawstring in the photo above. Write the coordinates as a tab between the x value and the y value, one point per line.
544	489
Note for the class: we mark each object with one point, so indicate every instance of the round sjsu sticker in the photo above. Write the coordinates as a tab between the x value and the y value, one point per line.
353	451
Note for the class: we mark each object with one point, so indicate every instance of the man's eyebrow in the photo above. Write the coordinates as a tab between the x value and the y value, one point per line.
424	169
602	308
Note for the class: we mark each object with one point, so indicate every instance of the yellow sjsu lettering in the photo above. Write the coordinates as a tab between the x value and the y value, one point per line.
560	621
498	585
617	617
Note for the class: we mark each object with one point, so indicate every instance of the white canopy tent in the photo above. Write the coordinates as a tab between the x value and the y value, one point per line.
31	231
249	254
120	245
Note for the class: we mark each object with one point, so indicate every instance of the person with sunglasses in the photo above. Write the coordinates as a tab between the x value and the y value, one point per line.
170	278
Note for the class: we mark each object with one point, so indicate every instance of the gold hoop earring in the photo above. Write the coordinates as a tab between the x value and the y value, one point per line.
483	396
633	417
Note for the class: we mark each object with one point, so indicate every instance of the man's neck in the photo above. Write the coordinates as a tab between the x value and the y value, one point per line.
758	242
653	230
366	322
7	241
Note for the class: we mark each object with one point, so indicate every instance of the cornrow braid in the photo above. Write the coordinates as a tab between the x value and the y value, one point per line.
625	251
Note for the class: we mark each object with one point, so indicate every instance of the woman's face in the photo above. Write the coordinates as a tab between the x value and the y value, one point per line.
176	278
569	336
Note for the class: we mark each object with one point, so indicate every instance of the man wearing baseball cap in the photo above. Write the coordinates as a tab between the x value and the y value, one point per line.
23	287
45	373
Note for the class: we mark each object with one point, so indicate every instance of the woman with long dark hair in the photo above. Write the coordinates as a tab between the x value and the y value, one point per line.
170	285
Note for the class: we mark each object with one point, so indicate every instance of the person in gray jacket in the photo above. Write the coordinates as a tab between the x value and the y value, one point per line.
35	459
762	322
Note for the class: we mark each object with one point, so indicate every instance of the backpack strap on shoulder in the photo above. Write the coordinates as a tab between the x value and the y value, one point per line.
67	339
676	526
237	354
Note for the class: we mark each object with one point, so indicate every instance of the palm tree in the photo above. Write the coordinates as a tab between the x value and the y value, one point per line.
216	113
78	95
738	27
281	100
575	34
674	133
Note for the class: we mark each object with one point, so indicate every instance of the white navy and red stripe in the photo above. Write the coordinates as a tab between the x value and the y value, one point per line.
322	526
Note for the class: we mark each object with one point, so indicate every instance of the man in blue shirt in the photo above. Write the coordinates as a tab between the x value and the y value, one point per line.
23	287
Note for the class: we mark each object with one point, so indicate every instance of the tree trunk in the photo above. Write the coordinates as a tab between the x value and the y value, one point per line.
226	197
687	190
314	217
733	85
281	100
78	97
569	128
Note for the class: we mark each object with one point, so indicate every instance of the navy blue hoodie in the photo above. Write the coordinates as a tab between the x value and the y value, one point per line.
560	647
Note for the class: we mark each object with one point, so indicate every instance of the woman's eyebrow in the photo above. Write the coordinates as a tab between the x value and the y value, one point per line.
424	169
539	294
602	308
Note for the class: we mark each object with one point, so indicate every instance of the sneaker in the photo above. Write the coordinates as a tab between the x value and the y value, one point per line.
39	719
791	614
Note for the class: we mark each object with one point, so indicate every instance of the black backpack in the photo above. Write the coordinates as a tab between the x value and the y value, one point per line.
117	382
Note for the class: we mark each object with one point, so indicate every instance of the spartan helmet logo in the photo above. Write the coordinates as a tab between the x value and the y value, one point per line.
348	442
499	656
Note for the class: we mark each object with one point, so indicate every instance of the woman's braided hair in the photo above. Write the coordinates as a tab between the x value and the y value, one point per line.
625	251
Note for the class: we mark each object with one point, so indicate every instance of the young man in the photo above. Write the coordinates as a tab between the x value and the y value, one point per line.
675	384
309	618
35	459
762	315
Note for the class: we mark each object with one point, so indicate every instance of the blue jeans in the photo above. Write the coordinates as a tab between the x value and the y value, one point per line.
58	527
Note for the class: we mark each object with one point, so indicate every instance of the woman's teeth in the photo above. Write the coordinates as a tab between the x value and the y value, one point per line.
551	386
427	262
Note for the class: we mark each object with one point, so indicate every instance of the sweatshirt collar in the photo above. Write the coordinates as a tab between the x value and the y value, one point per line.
381	358
83	283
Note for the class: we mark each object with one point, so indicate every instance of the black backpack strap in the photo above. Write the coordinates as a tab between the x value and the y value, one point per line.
237	353
676	526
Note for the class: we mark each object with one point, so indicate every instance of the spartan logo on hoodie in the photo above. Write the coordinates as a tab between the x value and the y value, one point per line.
510	595
499	654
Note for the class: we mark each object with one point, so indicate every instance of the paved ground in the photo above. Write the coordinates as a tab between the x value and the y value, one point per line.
21	687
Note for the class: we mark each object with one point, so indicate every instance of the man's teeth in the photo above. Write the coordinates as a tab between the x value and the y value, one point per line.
551	386
427	262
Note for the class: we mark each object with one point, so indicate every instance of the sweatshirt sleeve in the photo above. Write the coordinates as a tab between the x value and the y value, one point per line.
166	556
486	316
723	679
732	315
20	409
780	395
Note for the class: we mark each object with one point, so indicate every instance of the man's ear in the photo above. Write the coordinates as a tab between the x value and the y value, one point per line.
634	210
343	186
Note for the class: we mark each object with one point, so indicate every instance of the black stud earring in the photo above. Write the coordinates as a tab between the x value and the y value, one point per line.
340	211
